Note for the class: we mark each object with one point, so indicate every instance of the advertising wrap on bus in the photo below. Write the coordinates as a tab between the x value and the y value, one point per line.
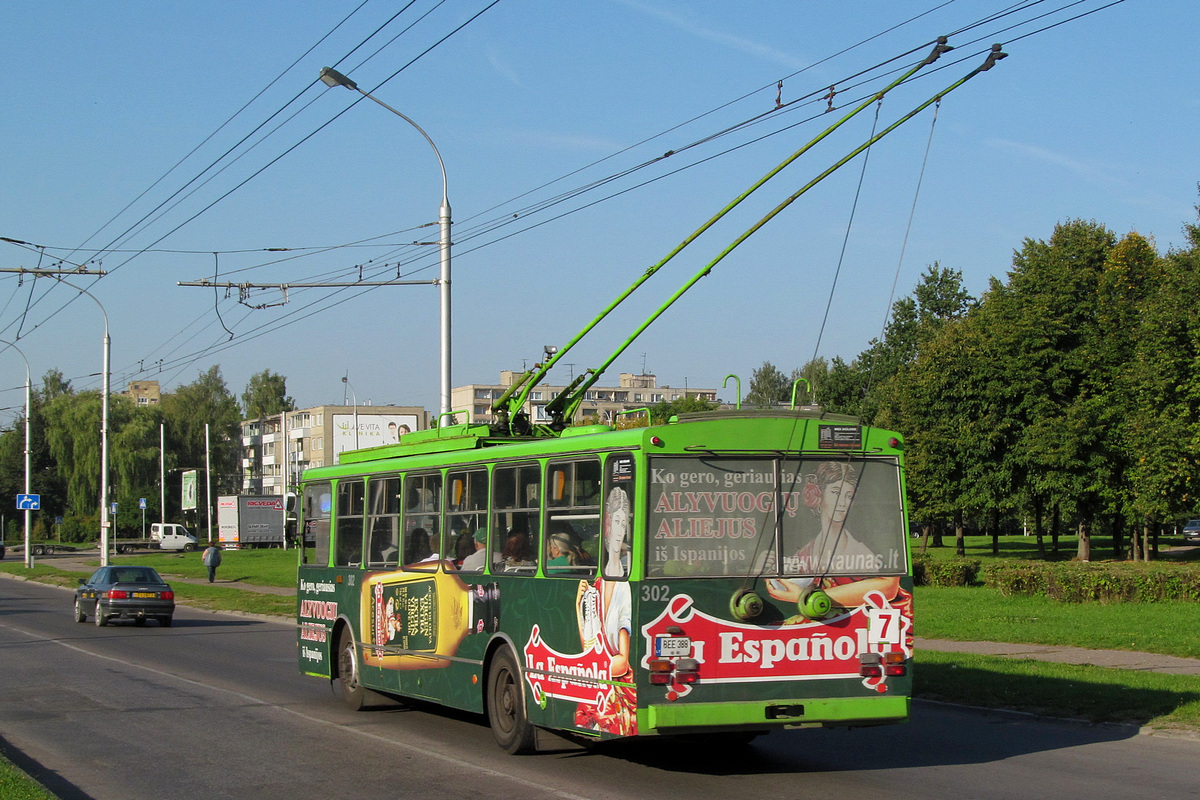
621	583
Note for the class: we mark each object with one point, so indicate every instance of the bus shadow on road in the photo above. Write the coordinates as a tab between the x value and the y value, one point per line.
936	735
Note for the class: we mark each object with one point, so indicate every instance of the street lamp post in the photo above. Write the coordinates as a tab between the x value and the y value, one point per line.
104	523
331	77
346	381
28	408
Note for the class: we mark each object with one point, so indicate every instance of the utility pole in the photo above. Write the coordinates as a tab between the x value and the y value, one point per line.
105	524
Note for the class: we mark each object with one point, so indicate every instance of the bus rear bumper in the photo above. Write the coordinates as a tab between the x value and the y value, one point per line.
766	714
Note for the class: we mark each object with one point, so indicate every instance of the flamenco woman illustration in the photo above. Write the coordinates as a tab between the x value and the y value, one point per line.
604	612
828	494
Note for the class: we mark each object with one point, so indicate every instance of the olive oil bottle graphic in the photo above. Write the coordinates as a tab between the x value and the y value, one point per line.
417	620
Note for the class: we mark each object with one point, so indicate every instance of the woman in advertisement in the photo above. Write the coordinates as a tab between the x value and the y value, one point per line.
828	493
604	611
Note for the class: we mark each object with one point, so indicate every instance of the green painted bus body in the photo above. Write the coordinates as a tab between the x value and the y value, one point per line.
698	543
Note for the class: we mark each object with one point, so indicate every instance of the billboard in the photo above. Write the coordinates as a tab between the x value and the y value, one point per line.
373	429
189	490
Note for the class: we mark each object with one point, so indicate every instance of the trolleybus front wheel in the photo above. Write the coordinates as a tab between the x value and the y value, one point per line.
506	706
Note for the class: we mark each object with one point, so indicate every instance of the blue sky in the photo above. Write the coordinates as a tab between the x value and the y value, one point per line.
113	112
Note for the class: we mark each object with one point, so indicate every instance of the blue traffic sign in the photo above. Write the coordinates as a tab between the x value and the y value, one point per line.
29	502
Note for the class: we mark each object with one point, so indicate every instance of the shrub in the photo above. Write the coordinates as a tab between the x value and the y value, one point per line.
944	572
1104	582
77	528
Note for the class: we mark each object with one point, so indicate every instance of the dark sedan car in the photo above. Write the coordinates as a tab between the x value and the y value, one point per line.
125	592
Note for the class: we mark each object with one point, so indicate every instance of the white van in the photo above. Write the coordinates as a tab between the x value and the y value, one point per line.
171	536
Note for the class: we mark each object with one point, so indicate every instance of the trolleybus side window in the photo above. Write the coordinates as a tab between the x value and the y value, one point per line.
466	517
318	502
422	515
572	517
515	498
617	520
349	542
383	549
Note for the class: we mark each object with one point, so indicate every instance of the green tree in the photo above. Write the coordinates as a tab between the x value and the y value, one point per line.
186	411
1164	422
661	412
768	386
266	395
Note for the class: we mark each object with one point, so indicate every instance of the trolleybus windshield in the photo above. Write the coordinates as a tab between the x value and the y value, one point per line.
716	516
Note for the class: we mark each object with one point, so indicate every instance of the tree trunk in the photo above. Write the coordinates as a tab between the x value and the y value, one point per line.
1055	519
1085	541
937	533
1037	527
960	542
1135	544
1118	550
995	532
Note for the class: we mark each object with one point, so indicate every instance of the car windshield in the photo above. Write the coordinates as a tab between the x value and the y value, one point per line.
135	575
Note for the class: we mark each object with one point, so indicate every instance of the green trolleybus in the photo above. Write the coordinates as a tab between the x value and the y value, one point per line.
726	573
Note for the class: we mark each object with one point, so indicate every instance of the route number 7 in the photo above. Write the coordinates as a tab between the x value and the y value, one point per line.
883	626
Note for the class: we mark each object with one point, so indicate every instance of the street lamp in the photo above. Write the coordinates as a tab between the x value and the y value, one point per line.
28	512
104	523
331	77
346	381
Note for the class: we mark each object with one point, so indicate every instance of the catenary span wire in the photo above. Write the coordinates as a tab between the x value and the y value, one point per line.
512	217
141	223
948	65
747	95
964	29
124	235
315	311
180	196
798	72
217	130
412	61
308	136
176	200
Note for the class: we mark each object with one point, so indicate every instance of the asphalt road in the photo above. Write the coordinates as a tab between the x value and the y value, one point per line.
214	708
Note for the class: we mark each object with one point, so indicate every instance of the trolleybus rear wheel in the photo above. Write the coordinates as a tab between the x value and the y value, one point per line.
349	675
506	706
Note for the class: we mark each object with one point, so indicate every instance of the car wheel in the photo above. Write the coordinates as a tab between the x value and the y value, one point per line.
101	620
189	548
506	706
79	615
164	621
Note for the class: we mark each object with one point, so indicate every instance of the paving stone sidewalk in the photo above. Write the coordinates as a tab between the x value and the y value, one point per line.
1122	659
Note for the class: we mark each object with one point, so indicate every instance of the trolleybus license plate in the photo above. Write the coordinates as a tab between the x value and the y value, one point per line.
673	646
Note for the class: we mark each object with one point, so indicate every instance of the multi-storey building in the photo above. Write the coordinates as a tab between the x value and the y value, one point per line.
276	449
600	404
145	393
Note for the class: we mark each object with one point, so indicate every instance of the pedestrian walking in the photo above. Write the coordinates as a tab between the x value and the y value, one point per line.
212	560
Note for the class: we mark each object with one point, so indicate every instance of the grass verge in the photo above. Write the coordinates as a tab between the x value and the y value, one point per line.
16	785
213	598
977	613
1098	694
